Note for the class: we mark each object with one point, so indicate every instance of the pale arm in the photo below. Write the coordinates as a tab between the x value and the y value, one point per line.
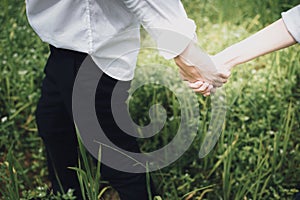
274	37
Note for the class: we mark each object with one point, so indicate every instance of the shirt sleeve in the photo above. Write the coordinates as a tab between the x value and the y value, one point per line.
166	21
291	19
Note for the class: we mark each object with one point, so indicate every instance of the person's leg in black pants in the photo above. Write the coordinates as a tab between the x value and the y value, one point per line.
54	118
56	127
129	185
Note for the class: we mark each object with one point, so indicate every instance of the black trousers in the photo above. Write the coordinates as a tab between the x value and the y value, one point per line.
56	127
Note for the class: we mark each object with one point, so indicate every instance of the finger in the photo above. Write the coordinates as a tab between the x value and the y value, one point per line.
217	79
221	80
225	75
208	91
196	84
210	87
206	94
217	84
203	89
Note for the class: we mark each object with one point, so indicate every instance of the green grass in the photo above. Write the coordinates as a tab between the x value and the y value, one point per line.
257	155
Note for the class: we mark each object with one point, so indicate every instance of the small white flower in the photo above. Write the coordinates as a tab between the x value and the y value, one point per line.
22	72
281	151
4	119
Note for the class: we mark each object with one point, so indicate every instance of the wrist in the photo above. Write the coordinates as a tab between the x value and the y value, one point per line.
226	60
185	56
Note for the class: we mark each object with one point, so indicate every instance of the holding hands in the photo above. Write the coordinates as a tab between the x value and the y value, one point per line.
205	73
200	70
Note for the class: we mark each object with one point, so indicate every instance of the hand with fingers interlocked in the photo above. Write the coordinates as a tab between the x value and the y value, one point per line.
200	71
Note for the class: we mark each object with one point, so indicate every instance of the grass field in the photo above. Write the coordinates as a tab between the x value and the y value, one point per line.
257	155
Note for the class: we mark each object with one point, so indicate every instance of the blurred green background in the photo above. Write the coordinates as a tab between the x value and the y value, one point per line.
257	156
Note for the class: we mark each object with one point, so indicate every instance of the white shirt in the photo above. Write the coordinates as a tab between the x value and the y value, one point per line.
108	30
291	19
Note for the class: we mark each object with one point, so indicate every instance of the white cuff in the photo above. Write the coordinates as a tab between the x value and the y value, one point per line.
291	19
173	38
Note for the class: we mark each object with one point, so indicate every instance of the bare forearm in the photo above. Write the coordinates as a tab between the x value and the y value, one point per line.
269	39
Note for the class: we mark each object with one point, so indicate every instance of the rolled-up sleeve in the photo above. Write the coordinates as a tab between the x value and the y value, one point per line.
166	21
291	19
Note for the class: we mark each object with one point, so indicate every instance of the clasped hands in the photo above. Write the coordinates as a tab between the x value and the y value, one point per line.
202	72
